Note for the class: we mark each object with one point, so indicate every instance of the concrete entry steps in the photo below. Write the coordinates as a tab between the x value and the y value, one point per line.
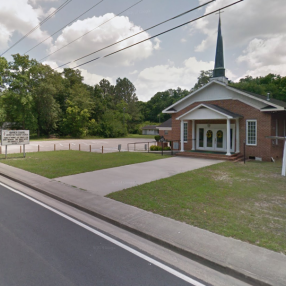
208	155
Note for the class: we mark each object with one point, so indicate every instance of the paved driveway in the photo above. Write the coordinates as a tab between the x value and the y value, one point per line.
107	181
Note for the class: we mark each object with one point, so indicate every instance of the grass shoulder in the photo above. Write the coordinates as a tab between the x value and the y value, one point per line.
246	202
140	136
64	163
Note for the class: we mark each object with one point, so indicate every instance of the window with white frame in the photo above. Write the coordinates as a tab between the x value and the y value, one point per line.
185	132
251	132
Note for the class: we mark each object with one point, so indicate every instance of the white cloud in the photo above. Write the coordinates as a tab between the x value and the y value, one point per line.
92	79
183	40
39	1
115	30
157	45
170	63
242	22
255	32
134	72
163	77
88	78
18	16
53	65
265	56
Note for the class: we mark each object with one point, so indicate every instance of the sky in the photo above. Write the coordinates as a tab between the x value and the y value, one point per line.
254	35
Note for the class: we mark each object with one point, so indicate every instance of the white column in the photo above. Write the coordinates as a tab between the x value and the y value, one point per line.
182	136
237	136
228	138
193	136
284	160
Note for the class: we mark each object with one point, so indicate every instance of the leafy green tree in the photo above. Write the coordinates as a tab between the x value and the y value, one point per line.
44	83
17	99
3	71
76	121
203	79
271	83
160	101
125	91
112	124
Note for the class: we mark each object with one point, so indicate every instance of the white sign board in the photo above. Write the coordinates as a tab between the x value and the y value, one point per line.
15	137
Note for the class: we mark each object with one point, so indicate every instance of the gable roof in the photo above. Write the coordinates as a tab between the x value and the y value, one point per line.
276	104
167	123
209	111
263	97
224	111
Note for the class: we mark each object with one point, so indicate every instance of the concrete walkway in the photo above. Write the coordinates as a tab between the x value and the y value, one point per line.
111	180
249	263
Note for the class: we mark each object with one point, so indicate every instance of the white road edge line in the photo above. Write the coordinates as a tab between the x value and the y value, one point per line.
112	240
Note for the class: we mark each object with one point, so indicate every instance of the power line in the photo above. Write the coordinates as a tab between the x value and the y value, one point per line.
139	32
227	6
90	31
39	25
63	27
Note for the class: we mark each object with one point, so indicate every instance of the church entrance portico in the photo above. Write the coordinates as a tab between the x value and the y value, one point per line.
213	137
216	137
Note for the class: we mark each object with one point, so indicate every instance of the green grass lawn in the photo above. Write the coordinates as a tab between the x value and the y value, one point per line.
64	163
246	202
140	136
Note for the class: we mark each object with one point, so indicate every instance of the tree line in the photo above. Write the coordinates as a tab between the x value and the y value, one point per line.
33	96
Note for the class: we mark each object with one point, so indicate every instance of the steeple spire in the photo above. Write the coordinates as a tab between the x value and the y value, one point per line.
219	70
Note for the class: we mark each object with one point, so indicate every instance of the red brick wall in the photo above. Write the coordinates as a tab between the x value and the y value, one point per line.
264	148
277	149
166	136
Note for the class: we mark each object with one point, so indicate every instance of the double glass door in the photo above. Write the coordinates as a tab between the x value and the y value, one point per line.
215	139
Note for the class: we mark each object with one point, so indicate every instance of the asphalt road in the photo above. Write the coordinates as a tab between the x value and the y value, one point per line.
39	247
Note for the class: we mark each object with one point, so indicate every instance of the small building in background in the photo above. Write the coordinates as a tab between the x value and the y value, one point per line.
150	130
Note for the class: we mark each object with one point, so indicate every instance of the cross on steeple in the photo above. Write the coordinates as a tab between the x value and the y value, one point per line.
219	12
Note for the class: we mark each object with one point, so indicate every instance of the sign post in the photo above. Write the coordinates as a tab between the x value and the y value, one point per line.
15	137
284	160
284	153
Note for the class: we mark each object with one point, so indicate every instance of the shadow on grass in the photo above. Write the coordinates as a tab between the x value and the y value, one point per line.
12	156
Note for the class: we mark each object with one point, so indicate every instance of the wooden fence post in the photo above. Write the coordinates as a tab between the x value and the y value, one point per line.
78	147
38	148
89	148
69	146
54	147
102	150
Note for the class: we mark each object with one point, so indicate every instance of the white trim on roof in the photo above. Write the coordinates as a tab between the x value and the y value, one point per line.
279	108
191	94
208	107
254	97
270	109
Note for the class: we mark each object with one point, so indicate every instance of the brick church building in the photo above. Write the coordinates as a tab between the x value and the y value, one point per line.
220	118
